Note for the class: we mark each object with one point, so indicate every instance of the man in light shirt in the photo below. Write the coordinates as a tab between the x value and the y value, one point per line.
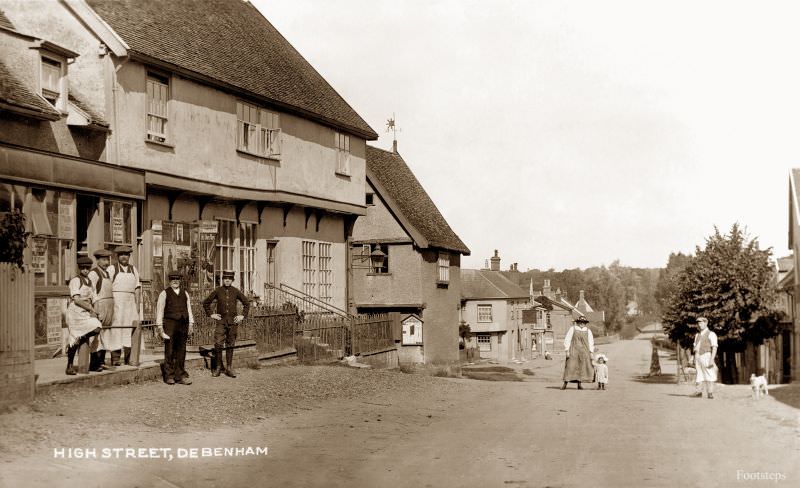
175	322
705	352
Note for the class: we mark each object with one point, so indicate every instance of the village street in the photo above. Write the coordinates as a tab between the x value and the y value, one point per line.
409	430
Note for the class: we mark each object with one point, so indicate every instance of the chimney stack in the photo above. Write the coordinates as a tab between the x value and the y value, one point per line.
394	146
495	261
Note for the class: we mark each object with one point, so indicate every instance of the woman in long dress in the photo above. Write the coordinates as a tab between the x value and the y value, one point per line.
579	345
82	322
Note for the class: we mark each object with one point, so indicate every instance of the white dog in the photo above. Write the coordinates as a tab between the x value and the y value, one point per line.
759	385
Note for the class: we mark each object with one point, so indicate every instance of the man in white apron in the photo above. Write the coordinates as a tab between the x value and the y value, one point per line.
705	352
127	294
103	303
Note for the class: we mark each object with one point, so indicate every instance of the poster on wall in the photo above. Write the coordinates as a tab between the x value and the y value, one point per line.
156	229
39	255
65	228
117	223
168	232
56	308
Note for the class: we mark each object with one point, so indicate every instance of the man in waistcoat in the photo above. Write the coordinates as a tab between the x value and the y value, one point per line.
705	352
174	318
103	302
227	319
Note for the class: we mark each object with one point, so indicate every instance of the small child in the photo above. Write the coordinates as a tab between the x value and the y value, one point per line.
602	372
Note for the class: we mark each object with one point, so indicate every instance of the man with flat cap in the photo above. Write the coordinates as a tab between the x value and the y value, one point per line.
127	290
175	322
227	319
103	302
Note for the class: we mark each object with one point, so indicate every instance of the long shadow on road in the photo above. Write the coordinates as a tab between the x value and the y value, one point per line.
663	379
788	394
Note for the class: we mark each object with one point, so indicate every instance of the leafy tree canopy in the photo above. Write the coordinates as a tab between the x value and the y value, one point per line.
730	282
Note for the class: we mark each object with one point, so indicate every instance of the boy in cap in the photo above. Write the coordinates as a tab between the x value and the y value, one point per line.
103	303
127	290
174	317
227	320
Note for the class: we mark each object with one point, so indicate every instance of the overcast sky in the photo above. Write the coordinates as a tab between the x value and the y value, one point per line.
571	134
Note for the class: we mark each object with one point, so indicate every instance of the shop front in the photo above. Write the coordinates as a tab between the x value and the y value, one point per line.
72	208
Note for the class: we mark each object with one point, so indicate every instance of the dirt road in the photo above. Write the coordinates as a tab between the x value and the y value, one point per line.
457	432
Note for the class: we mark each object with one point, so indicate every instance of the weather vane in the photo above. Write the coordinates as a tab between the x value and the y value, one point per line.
391	125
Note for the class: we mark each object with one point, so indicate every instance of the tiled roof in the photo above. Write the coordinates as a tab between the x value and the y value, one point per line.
4	22
229	41
16	94
484	284
94	115
393	174
549	304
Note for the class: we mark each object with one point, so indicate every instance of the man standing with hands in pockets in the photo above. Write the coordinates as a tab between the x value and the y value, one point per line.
227	319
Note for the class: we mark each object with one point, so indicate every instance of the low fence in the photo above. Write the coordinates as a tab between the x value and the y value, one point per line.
372	333
281	323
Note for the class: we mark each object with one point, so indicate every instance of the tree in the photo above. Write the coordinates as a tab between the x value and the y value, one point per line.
464	334
667	278
730	282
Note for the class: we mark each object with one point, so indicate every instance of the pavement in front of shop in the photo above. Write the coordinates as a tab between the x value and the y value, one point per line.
50	373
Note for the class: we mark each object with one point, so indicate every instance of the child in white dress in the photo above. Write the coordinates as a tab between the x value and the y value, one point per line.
602	372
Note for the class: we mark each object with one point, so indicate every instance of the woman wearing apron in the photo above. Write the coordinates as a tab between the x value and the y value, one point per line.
579	345
82	322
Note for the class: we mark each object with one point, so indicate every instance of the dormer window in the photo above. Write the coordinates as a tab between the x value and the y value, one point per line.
54	82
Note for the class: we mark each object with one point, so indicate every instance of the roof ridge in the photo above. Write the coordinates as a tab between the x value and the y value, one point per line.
480	271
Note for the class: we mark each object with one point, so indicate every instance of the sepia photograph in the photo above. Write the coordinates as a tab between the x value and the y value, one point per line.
399	243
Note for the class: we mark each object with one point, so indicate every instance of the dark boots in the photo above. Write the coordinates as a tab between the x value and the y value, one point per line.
229	363
116	358
217	361
127	353
97	362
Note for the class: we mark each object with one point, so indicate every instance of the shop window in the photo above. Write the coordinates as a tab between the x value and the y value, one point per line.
309	267
116	224
247	256
325	272
226	249
51	217
12	198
